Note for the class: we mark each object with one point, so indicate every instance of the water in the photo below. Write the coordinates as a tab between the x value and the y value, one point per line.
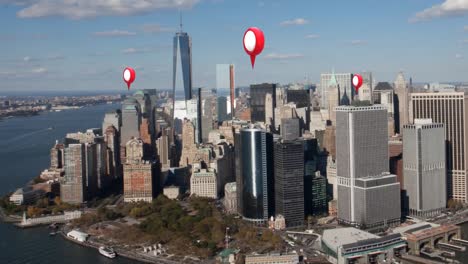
24	152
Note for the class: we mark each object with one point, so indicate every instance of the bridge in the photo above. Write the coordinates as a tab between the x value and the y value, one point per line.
431	237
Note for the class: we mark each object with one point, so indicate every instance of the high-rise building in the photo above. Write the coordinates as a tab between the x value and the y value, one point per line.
289	181
343	80
206	106
450	109
113	118
255	179
300	97
222	109
224	81
402	96
269	110
290	128
368	196
131	121
139	174
73	187
203	183
319	194
114	166
366	91
333	98
257	100
183	47
56	156
424	167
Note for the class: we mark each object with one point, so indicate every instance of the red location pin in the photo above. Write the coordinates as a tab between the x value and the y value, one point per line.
129	76
357	82
254	41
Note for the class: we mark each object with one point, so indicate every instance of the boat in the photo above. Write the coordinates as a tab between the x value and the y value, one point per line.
107	251
52	233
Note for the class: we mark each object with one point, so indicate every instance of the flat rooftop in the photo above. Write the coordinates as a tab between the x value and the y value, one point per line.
343	236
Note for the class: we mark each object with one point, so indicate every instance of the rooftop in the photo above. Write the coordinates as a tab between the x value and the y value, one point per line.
335	238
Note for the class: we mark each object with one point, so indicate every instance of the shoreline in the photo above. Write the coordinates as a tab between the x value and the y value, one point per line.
119	251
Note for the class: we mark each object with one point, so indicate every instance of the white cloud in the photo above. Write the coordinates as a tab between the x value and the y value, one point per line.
448	8
135	50
39	70
278	56
358	42
79	9
294	22
114	33
156	28
312	36
458	56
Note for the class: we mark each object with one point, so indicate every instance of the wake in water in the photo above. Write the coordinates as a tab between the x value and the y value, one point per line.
8	141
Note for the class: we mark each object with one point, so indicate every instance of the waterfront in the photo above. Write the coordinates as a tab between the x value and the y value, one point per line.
24	152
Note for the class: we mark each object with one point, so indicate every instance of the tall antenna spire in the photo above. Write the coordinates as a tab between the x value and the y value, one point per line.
180	18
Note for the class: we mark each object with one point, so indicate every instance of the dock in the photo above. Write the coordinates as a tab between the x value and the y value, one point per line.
460	241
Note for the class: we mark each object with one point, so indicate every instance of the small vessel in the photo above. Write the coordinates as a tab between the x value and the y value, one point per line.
52	233
50	128
107	251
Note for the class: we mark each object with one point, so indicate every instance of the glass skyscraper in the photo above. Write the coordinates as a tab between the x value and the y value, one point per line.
183	46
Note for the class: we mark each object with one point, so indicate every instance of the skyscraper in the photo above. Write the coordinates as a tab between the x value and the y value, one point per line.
73	186
343	80
255	180
289	181
368	195
257	100
139	174
131	121
222	109
449	108
401	91
424	167
183	48
333	98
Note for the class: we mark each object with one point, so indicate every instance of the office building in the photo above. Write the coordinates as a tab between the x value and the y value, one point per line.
269	111
365	187
450	109
318	191
290	128
113	118
402	96
257	100
73	188
300	97
255	177
343	81
424	167
222	109
131	121
113	164
333	98
203	183
139	174
289	181
56	156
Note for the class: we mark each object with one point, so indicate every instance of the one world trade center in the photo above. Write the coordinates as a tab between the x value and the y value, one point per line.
183	43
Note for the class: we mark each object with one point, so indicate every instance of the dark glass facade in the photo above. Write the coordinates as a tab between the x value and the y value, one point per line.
184	43
289	181
257	100
256	181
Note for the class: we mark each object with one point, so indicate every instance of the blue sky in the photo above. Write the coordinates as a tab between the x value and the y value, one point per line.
85	44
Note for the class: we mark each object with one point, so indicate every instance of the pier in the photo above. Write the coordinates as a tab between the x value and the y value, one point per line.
460	241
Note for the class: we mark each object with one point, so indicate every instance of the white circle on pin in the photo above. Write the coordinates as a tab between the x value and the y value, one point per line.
127	75
250	41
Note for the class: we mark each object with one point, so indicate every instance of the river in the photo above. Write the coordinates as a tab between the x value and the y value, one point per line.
24	152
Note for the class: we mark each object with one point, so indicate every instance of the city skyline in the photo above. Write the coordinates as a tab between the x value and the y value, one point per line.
427	40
